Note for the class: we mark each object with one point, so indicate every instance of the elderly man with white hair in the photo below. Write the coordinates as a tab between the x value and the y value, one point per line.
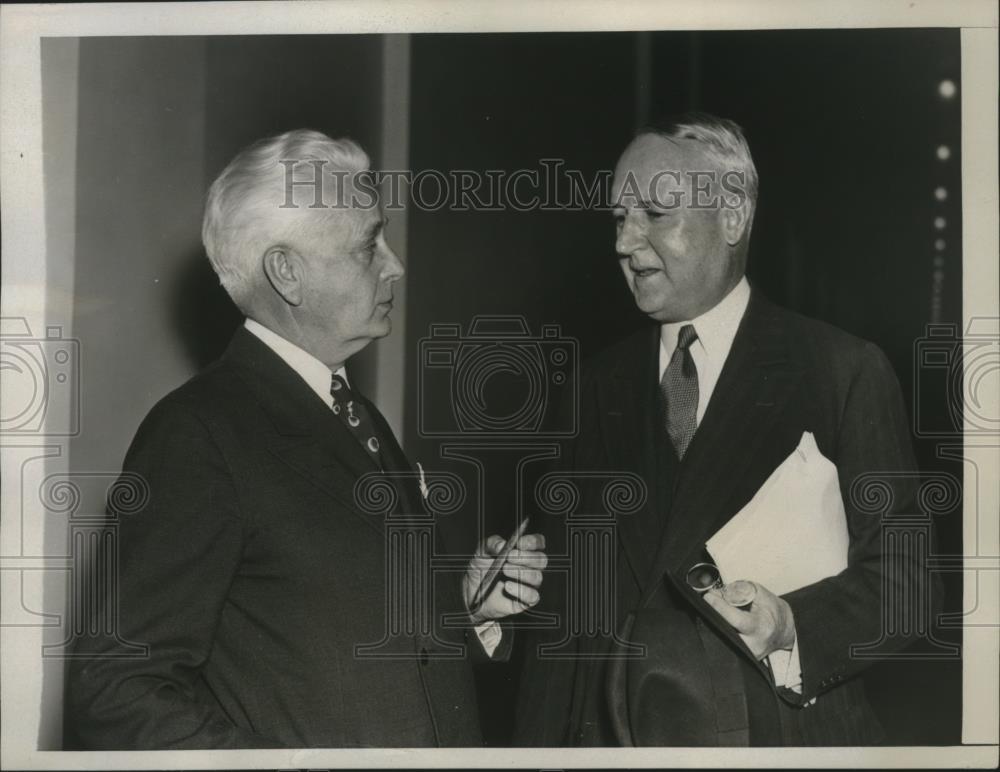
255	574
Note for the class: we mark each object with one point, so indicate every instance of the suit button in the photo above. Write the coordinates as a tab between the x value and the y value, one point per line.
424	656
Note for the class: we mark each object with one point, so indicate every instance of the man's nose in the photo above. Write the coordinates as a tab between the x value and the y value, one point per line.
392	269
630	237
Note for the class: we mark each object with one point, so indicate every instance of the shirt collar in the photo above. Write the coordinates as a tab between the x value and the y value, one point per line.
716	327
309	368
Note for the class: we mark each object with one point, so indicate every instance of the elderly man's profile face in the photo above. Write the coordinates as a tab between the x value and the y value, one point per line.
350	273
672	246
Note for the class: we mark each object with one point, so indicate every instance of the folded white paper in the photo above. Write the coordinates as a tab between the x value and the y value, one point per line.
794	530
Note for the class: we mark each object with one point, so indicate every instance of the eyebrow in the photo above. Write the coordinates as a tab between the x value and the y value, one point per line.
643	204
373	230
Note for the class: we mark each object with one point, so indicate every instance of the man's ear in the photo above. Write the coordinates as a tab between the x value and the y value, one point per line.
286	273
735	221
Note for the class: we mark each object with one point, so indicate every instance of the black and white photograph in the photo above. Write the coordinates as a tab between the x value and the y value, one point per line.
564	385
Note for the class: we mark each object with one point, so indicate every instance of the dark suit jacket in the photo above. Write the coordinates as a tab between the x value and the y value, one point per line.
785	374
251	575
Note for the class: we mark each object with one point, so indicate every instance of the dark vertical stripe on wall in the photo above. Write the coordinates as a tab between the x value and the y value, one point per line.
505	102
643	77
262	85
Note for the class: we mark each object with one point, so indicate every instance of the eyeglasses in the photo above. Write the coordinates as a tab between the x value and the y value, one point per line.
702	577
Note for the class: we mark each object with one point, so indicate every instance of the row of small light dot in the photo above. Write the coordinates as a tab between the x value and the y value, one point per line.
947	91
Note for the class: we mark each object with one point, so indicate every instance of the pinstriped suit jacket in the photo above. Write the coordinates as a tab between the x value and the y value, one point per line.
785	374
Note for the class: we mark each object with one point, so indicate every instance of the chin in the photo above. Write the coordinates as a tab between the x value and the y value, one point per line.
665	313
382	328
656	305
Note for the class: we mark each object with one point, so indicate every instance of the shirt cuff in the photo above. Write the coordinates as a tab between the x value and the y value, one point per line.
489	634
787	669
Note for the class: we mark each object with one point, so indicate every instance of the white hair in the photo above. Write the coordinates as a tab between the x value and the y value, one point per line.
264	196
722	141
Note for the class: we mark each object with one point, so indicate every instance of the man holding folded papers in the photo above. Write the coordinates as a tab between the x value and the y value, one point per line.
748	425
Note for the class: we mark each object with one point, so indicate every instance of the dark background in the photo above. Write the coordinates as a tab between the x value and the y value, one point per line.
843	125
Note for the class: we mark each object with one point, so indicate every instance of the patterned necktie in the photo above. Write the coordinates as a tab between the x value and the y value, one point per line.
354	415
680	391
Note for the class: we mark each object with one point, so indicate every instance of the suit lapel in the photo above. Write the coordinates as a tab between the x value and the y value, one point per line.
751	425
306	435
396	462
742	438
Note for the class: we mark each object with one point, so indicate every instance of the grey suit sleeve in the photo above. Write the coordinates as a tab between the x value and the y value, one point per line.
177	558
843	611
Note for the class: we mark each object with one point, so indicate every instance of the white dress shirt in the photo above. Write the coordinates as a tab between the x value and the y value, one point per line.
309	368
716	330
318	377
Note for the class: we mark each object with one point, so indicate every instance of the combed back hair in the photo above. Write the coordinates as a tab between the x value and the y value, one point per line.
723	142
244	212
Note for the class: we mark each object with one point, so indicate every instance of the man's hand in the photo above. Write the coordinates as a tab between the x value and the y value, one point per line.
768	625
520	578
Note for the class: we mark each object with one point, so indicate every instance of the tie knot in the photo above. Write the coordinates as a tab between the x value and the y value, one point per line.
686	336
